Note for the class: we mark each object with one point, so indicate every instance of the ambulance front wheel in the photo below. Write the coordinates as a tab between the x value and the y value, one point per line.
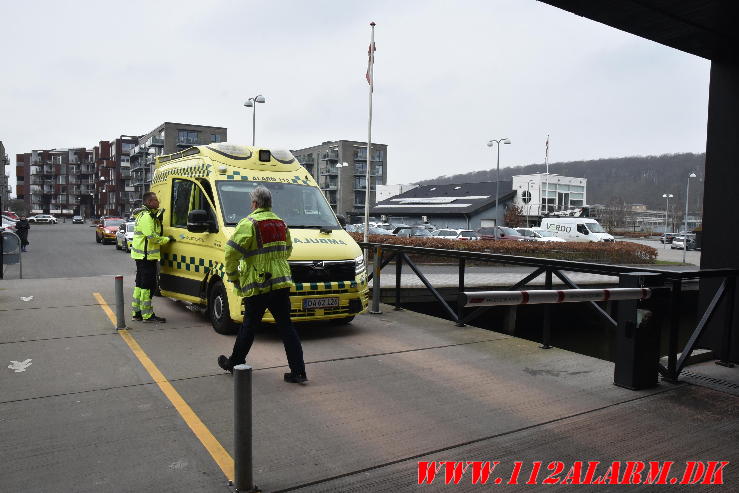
219	311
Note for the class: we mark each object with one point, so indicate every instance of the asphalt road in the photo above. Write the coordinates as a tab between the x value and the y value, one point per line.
69	250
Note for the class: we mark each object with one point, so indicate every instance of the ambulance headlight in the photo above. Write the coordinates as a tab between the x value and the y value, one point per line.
359	264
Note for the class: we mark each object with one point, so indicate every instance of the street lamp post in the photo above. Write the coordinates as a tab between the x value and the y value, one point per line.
528	206
687	195
252	103
338	184
497	178
667	196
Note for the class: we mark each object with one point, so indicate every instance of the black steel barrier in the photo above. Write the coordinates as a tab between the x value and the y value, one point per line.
385	253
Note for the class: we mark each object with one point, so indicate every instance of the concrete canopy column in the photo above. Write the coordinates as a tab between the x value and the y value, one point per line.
720	221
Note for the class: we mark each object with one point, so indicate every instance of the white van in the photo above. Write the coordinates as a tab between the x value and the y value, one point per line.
576	229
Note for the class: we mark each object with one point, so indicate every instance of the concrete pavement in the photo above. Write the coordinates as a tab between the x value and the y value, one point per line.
383	391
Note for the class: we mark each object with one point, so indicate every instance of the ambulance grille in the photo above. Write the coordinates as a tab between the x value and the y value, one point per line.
323	271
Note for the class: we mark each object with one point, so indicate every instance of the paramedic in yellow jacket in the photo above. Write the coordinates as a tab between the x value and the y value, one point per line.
147	240
256	263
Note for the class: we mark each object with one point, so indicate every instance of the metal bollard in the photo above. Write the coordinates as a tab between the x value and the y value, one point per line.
120	318
375	309
244	477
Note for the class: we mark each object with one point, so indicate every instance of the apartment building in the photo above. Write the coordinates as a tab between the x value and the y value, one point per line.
340	169
57	181
167	138
4	179
114	194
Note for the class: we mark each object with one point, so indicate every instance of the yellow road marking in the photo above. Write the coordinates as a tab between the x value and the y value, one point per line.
211	444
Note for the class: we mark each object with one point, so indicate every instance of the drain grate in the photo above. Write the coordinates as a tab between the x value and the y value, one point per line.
711	382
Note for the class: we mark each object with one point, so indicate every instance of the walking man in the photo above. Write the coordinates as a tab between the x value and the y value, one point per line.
147	239
256	263
22	227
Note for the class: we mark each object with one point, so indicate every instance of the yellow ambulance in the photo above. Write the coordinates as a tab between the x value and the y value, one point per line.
205	193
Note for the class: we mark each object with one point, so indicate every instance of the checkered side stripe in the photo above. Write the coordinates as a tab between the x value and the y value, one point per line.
300	181
195	170
193	264
324	286
236	175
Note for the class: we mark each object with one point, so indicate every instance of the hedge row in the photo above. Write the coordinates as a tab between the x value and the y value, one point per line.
620	252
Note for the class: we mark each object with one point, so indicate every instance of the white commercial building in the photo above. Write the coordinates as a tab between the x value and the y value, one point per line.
541	194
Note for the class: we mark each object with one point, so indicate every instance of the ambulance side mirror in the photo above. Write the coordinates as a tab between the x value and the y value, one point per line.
199	221
342	220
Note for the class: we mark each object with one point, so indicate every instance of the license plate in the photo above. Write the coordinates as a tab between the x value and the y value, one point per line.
320	302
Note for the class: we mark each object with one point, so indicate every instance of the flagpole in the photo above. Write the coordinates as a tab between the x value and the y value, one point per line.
368	183
546	163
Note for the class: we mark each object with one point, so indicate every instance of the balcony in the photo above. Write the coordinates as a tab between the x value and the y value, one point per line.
155	142
361	170
186	141
330	156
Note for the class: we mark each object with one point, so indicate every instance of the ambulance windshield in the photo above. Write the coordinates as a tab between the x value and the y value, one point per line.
299	206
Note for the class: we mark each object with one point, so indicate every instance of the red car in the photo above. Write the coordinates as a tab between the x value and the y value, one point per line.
505	234
107	228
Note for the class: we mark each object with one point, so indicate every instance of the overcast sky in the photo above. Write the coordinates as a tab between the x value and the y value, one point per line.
449	76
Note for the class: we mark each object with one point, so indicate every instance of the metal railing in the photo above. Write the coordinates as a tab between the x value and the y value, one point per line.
386	253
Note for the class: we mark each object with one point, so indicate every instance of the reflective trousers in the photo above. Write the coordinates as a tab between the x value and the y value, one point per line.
146	271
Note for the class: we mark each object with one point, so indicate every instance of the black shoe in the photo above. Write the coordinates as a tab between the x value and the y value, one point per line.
154	320
137	316
295	377
225	364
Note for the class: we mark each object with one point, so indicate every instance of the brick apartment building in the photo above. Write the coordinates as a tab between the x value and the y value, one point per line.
56	181
345	186
107	180
114	194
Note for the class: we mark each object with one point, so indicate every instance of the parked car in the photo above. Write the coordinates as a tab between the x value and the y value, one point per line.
678	243
456	234
503	233
107	229
78	220
386	226
667	237
11	215
408	231
467	235
9	219
373	230
446	233
124	236
538	234
7	225
42	218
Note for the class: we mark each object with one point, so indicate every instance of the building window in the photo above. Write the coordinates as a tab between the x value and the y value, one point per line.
216	138
189	137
